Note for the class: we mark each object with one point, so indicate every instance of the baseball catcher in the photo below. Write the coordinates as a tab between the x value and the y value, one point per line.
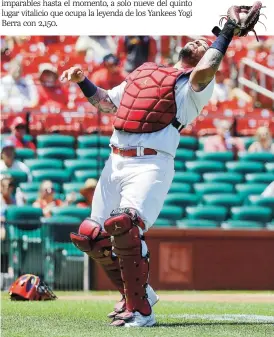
151	107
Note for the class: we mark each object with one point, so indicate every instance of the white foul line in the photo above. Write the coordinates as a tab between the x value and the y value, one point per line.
226	317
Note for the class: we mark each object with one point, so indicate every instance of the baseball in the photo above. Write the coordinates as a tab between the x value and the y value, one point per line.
242	17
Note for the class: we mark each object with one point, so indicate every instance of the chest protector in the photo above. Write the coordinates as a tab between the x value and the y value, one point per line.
148	103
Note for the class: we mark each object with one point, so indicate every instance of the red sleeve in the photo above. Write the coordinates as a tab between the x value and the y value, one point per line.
31	146
96	79
58	202
122	76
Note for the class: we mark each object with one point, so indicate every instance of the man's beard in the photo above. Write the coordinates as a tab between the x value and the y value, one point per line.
187	56
186	52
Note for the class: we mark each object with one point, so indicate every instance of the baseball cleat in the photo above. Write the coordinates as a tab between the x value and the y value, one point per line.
139	320
120	307
135	320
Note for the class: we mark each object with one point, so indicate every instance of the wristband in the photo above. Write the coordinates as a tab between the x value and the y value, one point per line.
225	37
88	88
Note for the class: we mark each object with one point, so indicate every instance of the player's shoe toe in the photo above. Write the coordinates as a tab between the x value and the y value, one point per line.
139	320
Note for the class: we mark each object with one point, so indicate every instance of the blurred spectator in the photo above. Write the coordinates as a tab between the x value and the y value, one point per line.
87	192
224	141
110	75
51	93
46	40
47	200
95	47
8	160
9	44
51	39
269	191
263	141
11	41
17	92
221	89
18	129
225	90
136	50
7	194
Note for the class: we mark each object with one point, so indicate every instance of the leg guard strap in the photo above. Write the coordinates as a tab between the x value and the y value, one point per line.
97	244
127	243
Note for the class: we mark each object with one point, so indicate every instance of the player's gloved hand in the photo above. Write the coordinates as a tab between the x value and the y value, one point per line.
240	20
73	74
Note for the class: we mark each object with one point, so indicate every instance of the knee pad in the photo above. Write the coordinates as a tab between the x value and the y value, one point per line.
93	241
123	226
96	243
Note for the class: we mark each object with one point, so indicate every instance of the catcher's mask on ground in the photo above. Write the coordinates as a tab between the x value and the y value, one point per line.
29	287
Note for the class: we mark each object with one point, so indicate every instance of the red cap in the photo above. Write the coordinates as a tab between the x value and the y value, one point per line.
18	121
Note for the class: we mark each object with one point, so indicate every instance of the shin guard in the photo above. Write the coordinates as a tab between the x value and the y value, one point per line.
127	243
96	243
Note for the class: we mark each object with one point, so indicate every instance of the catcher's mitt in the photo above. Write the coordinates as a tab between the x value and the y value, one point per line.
244	18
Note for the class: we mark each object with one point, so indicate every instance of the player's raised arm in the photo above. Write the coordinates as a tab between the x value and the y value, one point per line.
240	21
97	96
206	69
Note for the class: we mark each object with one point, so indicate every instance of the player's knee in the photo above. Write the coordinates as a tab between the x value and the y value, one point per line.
123	226
118	224
122	220
87	233
92	240
89	228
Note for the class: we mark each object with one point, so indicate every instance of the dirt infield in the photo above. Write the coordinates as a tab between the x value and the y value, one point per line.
197	297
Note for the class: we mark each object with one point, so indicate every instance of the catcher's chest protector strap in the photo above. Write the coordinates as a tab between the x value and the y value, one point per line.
97	244
134	268
148	103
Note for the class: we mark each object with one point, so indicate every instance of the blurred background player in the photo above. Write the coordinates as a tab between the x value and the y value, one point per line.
50	90
137	50
110	74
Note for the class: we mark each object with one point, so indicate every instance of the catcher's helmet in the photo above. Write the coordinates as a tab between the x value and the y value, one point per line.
29	287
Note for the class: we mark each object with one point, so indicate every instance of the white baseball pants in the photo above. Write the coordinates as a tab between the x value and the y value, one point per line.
141	183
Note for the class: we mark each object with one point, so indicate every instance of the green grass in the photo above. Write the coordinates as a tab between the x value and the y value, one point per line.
86	318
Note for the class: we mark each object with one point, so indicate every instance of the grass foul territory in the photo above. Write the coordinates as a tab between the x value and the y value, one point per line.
189	314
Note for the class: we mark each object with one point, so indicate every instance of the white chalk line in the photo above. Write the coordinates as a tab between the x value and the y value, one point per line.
222	318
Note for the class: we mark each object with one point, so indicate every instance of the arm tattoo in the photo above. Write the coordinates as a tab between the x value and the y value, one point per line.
212	59
102	101
207	67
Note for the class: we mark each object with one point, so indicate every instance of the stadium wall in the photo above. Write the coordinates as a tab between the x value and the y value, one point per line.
206	260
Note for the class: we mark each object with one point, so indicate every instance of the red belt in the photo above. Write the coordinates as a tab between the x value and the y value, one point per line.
136	152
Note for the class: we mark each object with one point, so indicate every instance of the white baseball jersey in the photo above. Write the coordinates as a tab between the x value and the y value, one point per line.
143	182
189	105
